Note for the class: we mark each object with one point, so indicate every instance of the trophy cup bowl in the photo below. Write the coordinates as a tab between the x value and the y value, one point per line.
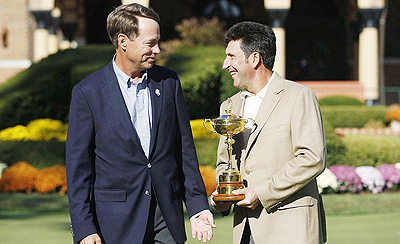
230	179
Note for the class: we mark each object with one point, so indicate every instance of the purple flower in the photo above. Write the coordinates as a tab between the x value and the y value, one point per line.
390	174
347	178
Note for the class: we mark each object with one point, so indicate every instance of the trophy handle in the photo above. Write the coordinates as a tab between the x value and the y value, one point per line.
205	126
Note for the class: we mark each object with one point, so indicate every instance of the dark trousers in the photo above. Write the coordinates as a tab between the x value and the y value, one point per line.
247	238
156	230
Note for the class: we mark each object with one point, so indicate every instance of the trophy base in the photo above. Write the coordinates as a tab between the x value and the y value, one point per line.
228	198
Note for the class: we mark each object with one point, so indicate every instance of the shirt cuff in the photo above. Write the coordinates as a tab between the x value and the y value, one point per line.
198	214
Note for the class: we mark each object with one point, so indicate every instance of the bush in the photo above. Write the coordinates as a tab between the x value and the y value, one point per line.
335	147
19	177
43	90
369	150
200	70
37	130
353	116
339	100
50	179
40	154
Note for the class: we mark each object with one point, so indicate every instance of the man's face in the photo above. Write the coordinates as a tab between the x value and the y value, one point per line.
143	50
237	64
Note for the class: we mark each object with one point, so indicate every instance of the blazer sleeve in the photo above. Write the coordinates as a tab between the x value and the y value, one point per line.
308	145
79	163
194	190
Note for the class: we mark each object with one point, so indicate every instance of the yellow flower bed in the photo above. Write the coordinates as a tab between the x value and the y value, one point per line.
18	177
49	179
208	174
199	131
393	113
37	130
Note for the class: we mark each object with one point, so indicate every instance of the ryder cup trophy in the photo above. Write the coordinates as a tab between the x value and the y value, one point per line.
228	125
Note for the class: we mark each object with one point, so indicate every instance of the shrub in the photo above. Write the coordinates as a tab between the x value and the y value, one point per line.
353	116
200	71
339	100
371	178
202	31
391	176
43	90
347	178
37	130
18	177
371	150
327	182
393	113
50	179
208	174
335	147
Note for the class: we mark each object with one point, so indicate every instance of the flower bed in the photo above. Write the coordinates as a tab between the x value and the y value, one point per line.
344	178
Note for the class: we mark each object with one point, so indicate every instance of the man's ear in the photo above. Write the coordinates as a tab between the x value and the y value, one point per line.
122	41
255	59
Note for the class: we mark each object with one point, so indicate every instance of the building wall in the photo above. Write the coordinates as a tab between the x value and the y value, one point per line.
15	41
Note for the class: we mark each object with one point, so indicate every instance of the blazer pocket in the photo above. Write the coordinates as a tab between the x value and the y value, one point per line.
302	202
110	195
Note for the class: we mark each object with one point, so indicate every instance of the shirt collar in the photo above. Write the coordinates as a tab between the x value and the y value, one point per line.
123	78
261	94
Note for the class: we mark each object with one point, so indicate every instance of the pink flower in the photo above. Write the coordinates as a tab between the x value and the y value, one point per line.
347	178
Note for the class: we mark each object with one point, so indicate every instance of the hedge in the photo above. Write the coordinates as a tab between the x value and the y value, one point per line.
371	150
339	100
353	116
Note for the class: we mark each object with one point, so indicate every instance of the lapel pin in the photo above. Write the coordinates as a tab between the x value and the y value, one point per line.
157	91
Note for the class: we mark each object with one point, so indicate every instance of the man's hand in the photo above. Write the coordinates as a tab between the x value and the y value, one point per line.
91	239
202	226
251	199
219	206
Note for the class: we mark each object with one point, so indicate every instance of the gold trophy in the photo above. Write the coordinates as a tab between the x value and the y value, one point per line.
228	125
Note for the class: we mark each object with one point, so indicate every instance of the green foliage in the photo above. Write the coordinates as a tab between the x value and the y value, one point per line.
335	147
353	116
207	151
370	150
206	32
200	71
43	90
40	154
339	100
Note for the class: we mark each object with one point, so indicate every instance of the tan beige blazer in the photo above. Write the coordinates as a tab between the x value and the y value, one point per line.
285	153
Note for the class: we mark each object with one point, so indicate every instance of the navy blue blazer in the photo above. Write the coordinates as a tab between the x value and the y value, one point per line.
109	177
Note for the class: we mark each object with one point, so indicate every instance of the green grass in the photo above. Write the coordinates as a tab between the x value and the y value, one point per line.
351	219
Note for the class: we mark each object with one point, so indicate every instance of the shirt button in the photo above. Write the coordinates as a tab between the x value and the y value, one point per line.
147	193
149	165
247	172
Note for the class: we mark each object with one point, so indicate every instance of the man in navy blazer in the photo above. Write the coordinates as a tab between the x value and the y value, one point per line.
131	159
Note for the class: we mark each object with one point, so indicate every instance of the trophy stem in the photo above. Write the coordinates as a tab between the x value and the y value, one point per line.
230	141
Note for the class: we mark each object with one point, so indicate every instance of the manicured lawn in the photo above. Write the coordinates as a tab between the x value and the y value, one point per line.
351	219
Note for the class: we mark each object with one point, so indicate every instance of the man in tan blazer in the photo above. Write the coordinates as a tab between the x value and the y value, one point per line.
279	156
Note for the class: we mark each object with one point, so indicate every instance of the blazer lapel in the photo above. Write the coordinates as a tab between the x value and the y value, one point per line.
156	94
113	94
267	106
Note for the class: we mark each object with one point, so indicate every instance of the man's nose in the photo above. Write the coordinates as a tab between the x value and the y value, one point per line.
156	49
225	64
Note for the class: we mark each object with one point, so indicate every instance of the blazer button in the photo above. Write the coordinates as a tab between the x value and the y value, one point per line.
147	193
247	172
149	165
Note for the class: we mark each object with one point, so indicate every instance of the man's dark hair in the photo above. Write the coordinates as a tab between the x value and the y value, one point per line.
124	20
255	37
